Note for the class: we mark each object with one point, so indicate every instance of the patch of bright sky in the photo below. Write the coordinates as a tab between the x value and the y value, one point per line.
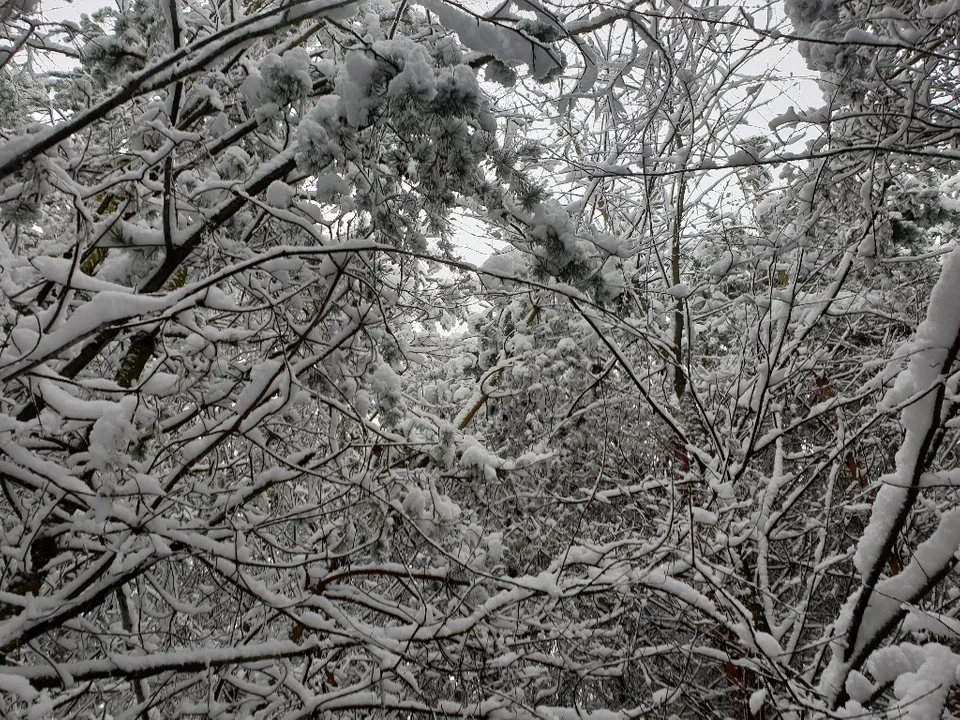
794	86
59	10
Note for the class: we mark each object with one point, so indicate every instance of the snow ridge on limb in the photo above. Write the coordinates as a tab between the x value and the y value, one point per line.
505	43
873	611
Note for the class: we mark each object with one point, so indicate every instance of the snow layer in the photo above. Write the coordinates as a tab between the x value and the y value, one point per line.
502	42
915	388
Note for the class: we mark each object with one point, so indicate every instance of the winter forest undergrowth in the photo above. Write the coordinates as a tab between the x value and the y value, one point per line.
684	446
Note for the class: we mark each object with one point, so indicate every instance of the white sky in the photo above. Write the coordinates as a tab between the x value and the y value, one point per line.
56	10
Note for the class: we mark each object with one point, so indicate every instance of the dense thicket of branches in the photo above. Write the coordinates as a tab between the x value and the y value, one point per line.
684	446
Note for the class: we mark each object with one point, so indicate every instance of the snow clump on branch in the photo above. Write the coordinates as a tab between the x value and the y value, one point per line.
285	80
